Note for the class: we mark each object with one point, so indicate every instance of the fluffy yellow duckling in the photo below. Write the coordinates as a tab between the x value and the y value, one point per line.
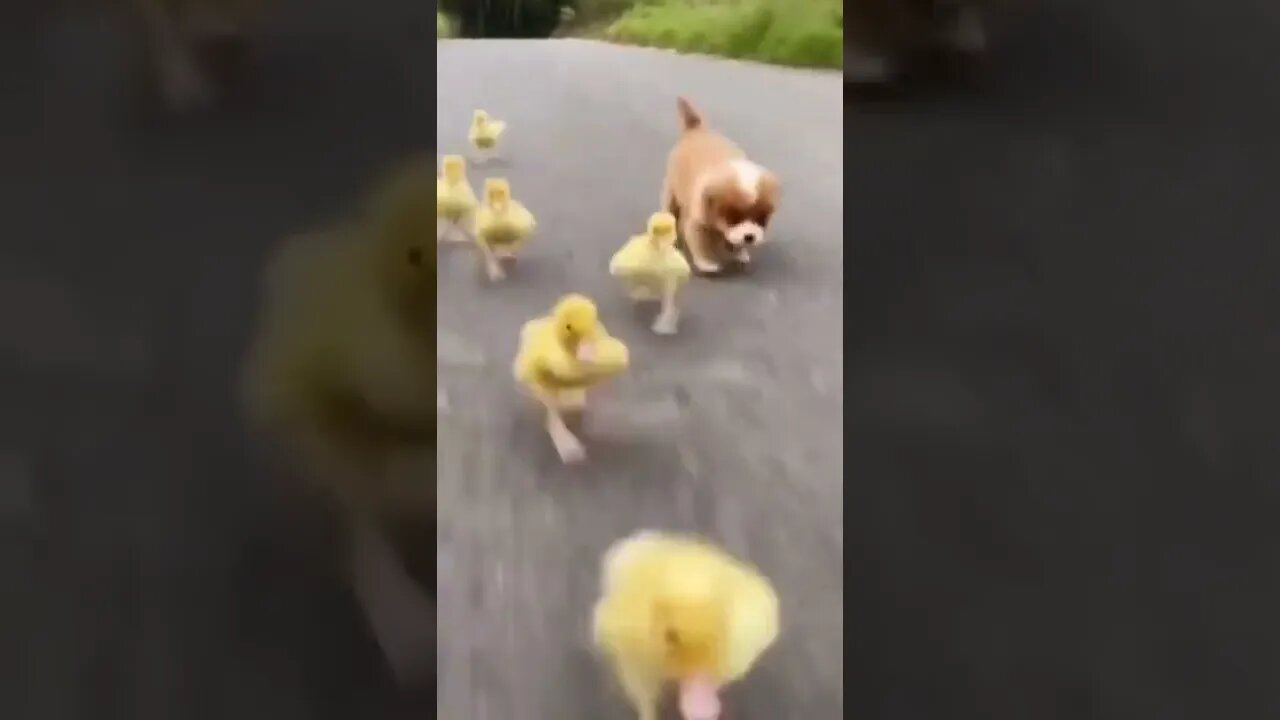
455	200
652	268
501	226
485	133
677	609
560	356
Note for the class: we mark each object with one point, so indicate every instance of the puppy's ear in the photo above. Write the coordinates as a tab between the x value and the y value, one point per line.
710	201
770	187
713	193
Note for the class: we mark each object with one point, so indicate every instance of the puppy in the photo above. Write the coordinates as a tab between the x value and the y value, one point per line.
723	201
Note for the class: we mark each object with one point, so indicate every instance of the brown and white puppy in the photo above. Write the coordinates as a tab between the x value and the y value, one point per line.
723	200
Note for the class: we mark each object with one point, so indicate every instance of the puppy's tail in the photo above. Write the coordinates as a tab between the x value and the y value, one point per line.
689	117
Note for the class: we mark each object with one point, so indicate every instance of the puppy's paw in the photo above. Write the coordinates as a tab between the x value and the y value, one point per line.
707	267
742	256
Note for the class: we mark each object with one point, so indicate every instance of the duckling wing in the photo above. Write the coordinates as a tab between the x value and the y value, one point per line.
484	222
522	218
630	259
611	355
676	266
753	621
527	361
453	201
496	128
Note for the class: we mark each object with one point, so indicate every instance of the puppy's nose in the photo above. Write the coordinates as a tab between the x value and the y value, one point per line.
749	238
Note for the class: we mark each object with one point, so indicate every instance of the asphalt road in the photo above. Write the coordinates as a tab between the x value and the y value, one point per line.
732	428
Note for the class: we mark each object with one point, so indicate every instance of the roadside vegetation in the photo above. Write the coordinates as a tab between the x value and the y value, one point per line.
804	33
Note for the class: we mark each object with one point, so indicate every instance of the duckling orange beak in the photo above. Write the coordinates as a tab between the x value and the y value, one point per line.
699	698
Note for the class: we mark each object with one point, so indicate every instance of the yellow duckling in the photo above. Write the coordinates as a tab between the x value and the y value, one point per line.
501	226
455	200
677	610
485	133
652	268
560	356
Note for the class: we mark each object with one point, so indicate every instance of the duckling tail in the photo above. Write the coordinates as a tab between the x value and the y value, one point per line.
689	117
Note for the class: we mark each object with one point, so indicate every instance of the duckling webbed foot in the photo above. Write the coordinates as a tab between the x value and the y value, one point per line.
493	269
492	266
667	322
568	446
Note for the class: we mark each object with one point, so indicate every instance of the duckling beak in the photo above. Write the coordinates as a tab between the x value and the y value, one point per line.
699	698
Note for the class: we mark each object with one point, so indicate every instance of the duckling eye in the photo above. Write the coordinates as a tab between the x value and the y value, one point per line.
415	257
673	638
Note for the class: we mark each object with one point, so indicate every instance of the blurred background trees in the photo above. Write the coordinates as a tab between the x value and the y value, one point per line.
504	18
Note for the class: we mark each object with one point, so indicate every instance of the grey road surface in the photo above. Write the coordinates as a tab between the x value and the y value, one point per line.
732	428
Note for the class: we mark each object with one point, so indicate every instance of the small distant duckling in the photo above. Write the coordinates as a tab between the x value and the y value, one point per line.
484	134
501	226
561	355
651	267
455	200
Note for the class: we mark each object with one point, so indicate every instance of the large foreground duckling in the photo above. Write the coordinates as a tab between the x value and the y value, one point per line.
560	356
677	609
651	267
501	226
484	134
455	200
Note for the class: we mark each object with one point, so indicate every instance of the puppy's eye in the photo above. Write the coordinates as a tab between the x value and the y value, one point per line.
672	638
415	257
762	219
733	217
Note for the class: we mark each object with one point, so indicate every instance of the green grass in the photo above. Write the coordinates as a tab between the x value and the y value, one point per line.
802	33
443	28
